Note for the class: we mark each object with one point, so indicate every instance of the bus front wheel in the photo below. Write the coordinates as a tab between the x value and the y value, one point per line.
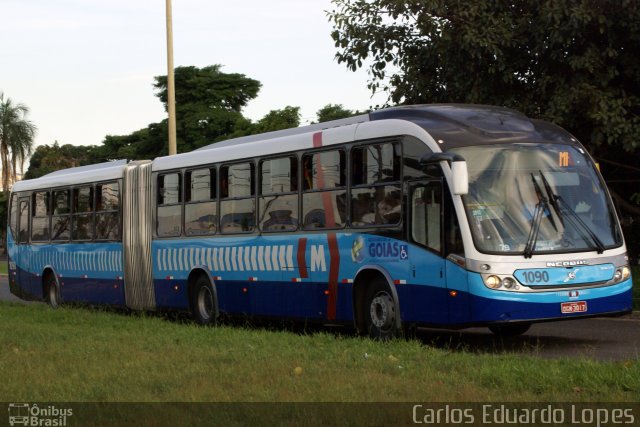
380	311
203	302
52	292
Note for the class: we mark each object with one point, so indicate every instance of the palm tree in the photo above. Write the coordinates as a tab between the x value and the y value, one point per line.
16	138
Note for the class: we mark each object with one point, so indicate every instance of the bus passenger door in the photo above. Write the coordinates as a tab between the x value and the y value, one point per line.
425	229
24	250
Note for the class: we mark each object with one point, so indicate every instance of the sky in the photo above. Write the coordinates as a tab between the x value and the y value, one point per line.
85	68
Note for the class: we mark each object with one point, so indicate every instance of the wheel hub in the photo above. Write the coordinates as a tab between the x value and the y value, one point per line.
382	311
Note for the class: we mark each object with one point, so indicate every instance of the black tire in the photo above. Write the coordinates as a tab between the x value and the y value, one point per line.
52	292
203	302
380	311
509	330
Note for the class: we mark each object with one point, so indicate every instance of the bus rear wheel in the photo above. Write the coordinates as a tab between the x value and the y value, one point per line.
510	330
380	311
52	293
203	302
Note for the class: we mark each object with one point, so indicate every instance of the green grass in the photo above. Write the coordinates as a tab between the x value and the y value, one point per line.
75	354
3	267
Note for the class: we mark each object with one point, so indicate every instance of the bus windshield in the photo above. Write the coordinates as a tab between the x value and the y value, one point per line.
527	198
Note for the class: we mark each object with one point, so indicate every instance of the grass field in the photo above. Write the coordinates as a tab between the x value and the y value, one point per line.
3	267
76	354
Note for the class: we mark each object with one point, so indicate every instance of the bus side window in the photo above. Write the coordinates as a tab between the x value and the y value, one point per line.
324	197
40	216
169	205
376	194
60	220
82	219
426	214
13	222
23	222
238	204
200	209
278	201
453	235
108	211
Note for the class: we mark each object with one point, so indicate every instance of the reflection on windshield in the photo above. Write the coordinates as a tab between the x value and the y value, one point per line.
505	183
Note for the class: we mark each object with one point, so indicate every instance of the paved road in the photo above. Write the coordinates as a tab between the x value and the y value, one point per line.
611	339
601	339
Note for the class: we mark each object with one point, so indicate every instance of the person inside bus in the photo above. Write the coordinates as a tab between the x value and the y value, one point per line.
389	208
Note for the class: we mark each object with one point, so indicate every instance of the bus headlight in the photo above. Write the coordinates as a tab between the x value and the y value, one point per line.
626	272
492	282
509	283
621	274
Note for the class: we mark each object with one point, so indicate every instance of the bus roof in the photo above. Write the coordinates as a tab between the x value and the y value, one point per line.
459	125
80	175
451	125
440	126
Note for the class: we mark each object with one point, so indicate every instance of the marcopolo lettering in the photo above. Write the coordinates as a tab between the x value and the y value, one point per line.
566	263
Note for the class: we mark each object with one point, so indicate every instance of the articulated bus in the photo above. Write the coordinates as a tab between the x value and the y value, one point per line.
437	215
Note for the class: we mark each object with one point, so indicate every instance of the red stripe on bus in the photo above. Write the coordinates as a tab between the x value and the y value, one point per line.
302	264
327	201
334	268
317	139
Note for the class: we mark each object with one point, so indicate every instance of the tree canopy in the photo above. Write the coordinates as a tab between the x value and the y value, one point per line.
571	62
208	103
50	158
334	112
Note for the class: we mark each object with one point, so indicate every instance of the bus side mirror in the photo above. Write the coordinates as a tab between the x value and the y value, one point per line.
459	173
460	177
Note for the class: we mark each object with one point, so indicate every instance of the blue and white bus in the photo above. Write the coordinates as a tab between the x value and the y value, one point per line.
438	215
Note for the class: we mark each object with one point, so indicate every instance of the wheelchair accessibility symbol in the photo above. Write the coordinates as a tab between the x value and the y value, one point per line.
404	252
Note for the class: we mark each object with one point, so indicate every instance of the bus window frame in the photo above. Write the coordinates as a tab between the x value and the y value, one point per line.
26	198
75	214
411	186
214	168
158	205
296	192
13	216
253	196
68	214
345	187
49	209
97	212
398	150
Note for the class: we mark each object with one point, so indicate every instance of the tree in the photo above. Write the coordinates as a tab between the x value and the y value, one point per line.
334	112
208	103
288	117
50	158
16	138
572	62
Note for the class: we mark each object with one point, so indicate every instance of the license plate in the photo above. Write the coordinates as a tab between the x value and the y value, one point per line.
573	307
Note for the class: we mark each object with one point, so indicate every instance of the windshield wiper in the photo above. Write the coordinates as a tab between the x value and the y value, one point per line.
541	206
586	234
553	198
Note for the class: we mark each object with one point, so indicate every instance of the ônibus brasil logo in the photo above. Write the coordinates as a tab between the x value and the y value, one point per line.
26	414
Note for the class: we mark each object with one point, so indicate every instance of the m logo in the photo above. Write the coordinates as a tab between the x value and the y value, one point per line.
318	261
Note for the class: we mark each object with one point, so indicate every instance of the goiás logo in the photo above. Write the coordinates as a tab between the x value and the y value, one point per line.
378	248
